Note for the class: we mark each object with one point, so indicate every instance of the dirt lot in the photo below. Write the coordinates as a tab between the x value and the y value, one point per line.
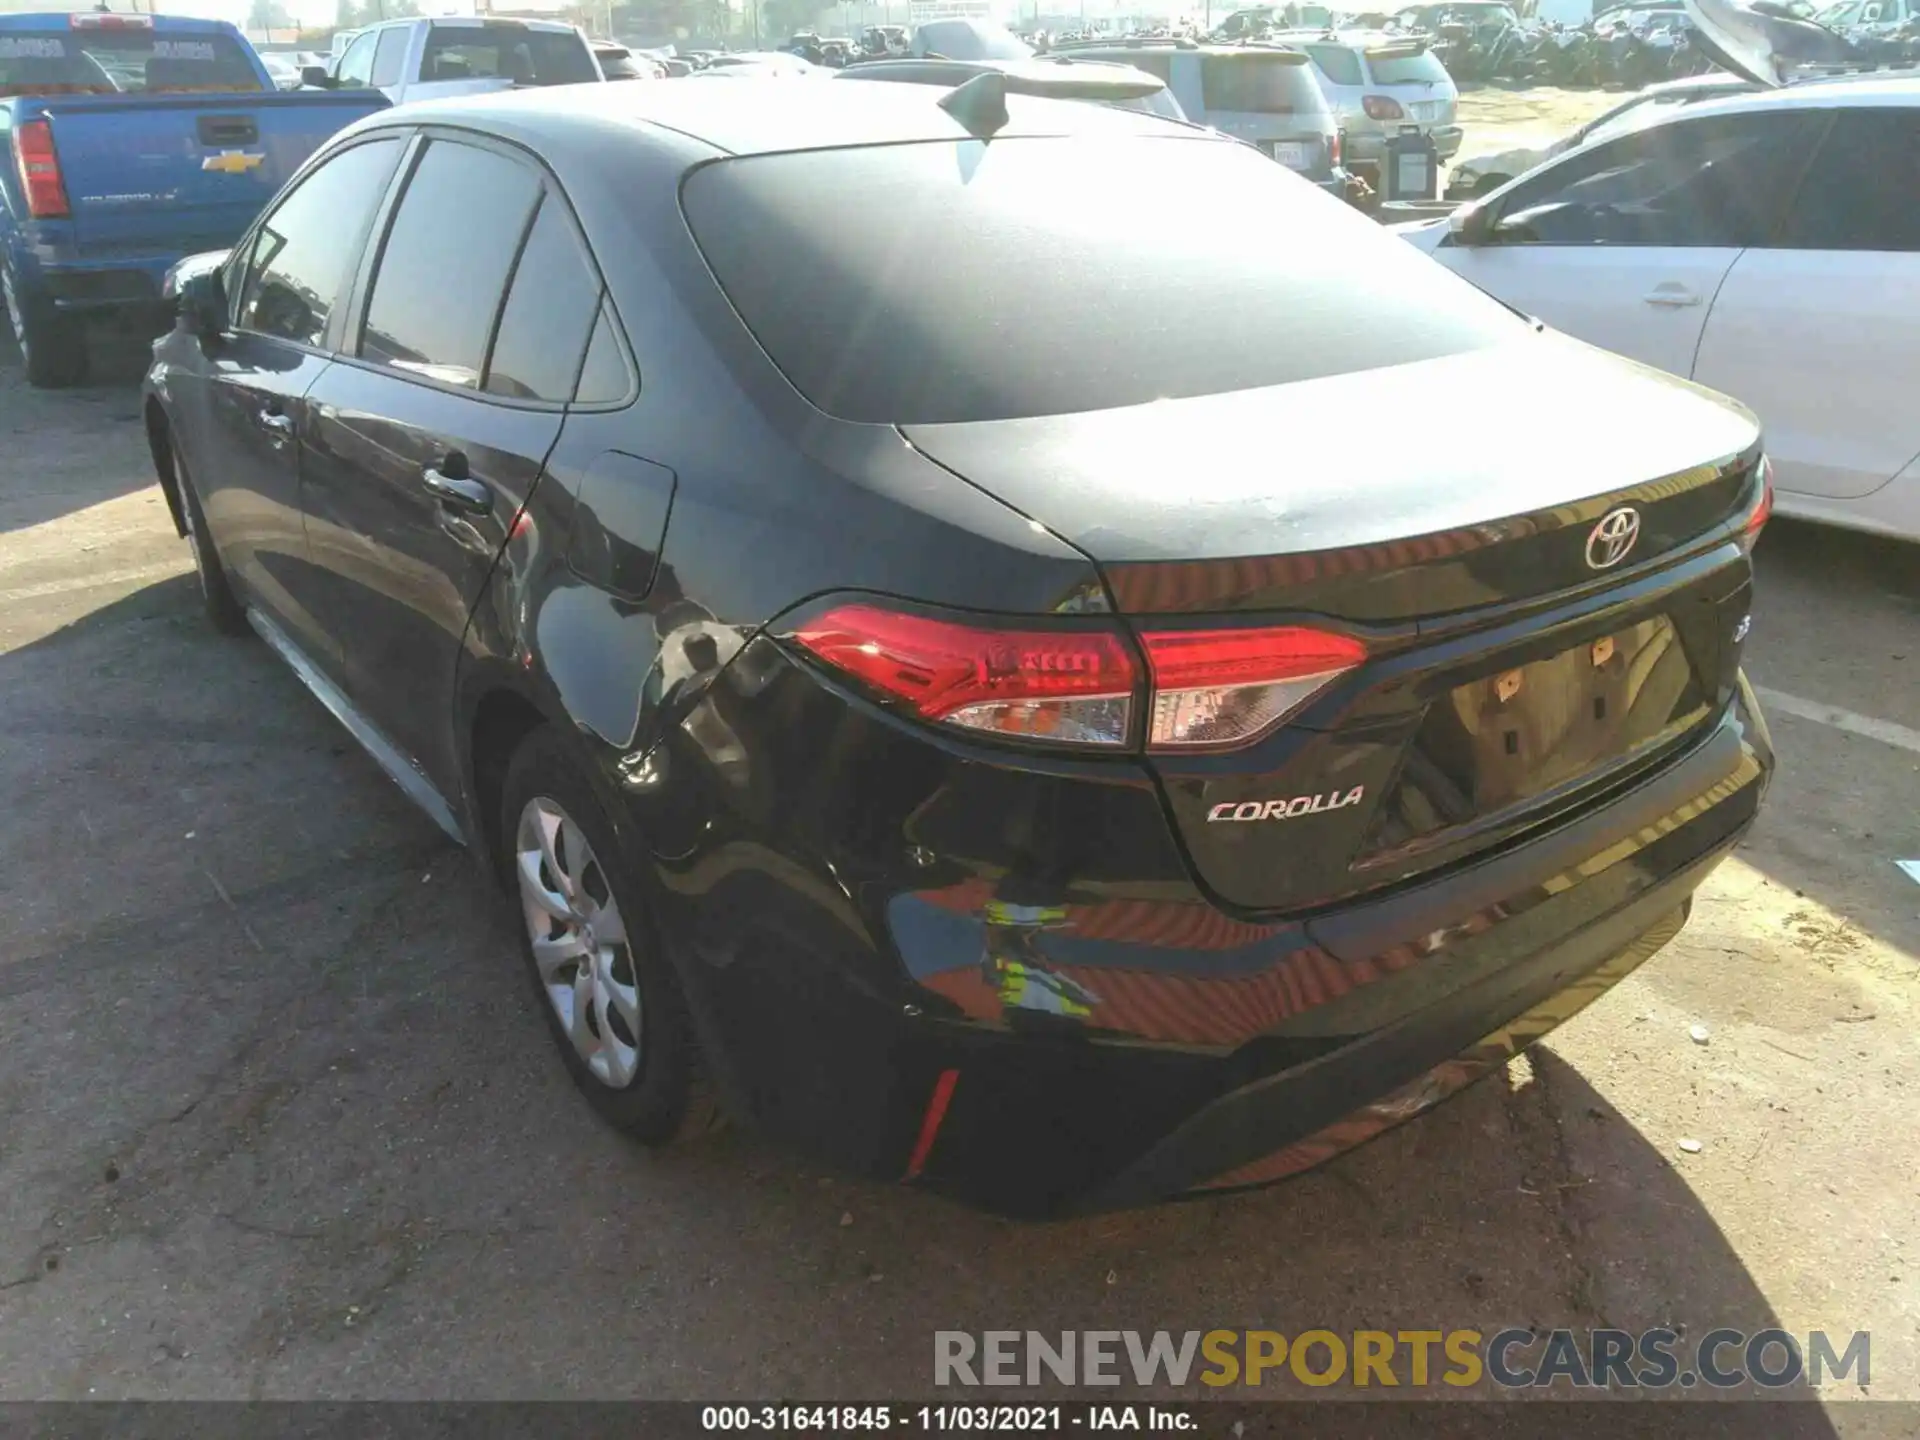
1497	119
281	1119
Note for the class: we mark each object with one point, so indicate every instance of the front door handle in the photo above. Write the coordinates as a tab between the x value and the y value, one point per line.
458	492
1671	297
276	424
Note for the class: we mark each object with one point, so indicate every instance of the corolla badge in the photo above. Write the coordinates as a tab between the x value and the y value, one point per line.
1610	541
1247	810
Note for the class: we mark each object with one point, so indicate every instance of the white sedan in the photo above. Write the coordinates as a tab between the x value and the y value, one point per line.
1767	246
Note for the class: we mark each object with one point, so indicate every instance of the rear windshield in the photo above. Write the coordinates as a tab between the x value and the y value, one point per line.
969	40
1049	276
1406	69
1260	84
526	57
1339	64
121	61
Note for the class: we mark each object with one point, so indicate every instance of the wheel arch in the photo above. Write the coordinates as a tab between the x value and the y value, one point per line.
499	716
159	444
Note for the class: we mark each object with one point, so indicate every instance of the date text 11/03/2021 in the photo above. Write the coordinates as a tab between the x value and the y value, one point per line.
1038	1419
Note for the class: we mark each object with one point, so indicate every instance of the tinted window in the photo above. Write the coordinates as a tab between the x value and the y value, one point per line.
305	249
1156	63
1863	191
1159	103
1339	64
84	61
1717	182
969	40
1267	84
1407	69
1026	278
603	379
551	305
507	52
356	66
445	263
390	59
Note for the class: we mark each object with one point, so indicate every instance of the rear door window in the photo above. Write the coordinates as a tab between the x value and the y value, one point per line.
390	58
507	52
303	251
1026	278
1863	190
126	59
551	307
443	269
1259	84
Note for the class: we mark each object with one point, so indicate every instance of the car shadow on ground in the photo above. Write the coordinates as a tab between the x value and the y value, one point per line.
309	1137
110	397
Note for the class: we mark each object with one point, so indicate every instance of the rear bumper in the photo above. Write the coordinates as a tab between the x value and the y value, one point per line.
1371	145
123	286
1040	1058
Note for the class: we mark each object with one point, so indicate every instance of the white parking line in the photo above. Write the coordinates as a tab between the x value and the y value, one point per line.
1884	731
91	582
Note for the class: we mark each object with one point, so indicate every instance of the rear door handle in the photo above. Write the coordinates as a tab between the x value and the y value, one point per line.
1671	297
458	492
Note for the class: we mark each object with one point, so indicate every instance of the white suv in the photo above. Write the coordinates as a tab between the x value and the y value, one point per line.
1378	85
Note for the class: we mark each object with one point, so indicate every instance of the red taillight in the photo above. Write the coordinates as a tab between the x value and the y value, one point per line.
1073	686
1208	689
1213	689
1382	107
39	169
1762	509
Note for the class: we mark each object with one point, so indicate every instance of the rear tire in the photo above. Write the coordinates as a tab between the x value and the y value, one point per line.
610	998
224	611
53	348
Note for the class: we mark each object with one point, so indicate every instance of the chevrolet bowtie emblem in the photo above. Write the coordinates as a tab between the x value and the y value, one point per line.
232	162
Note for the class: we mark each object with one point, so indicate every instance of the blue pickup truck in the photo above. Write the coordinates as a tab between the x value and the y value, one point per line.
132	140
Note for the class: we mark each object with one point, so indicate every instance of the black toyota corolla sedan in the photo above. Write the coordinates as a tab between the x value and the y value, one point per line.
967	625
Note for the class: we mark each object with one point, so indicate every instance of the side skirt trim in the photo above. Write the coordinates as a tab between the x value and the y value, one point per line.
415	786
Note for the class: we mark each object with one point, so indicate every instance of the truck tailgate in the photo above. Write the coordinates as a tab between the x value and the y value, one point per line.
180	173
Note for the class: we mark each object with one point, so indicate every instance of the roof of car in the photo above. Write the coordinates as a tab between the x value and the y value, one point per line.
1040	67
1154	42
1851	92
754	116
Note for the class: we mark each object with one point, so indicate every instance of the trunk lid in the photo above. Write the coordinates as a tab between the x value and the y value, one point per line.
1375	496
1511	677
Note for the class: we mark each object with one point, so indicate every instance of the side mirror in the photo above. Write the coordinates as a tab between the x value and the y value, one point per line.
316	76
203	305
1470	225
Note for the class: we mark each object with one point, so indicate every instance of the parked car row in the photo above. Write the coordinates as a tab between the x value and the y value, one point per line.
134	139
1761	240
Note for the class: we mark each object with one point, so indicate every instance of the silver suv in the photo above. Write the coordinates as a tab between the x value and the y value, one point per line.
1263	95
1378	85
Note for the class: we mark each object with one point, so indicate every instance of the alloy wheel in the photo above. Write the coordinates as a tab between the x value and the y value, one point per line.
579	941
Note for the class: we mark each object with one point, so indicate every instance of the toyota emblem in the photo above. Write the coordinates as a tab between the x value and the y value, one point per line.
1609	542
